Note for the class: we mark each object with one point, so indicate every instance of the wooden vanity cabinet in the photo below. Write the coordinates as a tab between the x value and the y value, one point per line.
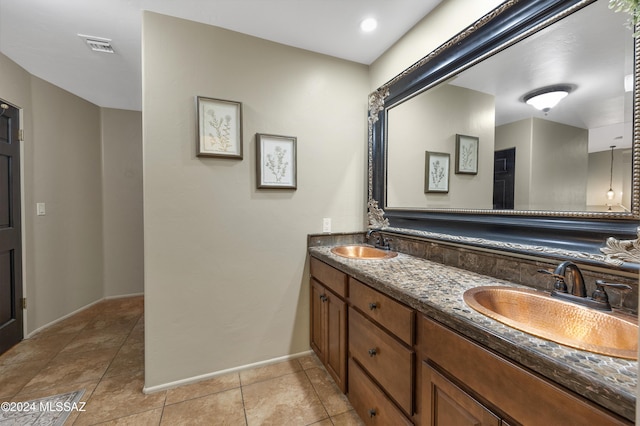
381	356
464	383
329	319
400	370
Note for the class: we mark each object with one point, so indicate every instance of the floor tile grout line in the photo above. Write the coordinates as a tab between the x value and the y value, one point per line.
119	349
164	405
50	359
244	407
102	378
269	378
318	396
201	396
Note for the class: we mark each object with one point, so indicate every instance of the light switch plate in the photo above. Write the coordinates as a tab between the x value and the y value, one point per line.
41	209
326	224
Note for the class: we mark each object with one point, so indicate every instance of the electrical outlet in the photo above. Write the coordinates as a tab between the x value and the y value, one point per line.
326	224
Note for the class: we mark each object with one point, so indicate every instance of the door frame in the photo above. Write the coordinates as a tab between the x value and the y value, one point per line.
23	214
23	224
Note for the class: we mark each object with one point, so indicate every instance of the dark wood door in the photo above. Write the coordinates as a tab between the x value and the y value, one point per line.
504	170
10	230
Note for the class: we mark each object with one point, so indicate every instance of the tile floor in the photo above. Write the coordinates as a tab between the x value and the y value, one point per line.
101	350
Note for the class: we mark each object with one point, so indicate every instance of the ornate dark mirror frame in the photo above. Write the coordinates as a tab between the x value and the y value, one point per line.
596	238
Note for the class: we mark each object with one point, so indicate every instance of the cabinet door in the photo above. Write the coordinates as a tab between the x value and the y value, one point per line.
445	404
336	350
318	320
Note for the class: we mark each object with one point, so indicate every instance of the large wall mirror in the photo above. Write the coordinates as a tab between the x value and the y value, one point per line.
456	149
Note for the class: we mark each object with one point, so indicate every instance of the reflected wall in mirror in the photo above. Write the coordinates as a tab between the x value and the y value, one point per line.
528	160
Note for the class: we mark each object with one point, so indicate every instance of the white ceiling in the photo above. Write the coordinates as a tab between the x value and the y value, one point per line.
42	35
592	50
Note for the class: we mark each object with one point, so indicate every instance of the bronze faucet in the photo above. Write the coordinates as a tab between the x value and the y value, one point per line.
381	241
569	272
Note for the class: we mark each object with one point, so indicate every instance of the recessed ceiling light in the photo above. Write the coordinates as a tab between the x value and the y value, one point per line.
368	25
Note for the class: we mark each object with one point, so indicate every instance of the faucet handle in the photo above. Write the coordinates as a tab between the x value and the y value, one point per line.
600	294
560	284
384	243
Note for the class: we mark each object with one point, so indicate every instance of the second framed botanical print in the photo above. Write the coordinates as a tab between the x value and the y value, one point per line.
466	155
436	177
276	161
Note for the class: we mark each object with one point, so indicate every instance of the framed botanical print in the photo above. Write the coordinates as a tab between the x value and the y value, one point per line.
276	161
219	128
467	155
436	172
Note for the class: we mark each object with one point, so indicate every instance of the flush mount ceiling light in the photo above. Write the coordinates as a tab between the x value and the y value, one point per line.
547	97
368	25
98	44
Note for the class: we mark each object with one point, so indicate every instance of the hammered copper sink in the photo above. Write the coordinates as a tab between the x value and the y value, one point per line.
363	252
562	322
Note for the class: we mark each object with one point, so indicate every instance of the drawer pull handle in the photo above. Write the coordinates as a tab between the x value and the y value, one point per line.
373	352
373	306
372	412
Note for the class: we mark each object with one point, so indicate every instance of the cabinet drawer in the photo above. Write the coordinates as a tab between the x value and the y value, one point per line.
335	280
371	404
388	361
392	315
523	396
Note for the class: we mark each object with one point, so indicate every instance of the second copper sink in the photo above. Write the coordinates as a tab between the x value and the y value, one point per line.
362	252
566	323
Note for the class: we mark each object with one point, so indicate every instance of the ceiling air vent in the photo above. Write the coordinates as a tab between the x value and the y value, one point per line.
98	44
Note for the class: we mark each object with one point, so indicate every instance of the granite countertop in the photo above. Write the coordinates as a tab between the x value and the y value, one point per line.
436	290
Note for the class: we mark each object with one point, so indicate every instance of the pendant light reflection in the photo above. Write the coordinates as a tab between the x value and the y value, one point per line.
610	192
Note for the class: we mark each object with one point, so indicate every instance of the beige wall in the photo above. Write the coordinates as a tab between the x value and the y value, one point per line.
430	122
64	258
446	20
547	153
560	154
68	245
225	281
122	202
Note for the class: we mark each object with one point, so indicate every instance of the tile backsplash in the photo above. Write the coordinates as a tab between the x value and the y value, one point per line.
502	265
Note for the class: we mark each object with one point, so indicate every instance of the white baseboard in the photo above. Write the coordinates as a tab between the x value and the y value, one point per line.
195	379
123	296
37	330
